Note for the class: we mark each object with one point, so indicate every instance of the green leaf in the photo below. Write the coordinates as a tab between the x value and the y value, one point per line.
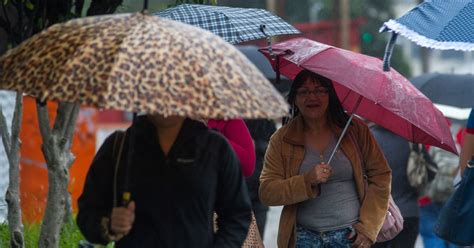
214	2
29	5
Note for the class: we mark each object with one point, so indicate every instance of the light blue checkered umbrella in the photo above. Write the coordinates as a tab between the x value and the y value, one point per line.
438	24
235	25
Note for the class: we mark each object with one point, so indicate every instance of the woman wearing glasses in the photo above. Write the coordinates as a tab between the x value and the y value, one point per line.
325	205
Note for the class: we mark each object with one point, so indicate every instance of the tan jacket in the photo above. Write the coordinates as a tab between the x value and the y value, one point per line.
280	183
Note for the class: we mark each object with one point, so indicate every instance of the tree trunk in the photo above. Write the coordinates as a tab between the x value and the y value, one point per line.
56	150
12	149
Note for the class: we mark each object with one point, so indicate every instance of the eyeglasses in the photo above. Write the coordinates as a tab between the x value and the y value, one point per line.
320	91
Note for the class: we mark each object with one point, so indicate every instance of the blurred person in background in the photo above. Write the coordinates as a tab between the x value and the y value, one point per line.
435	193
397	150
261	131
238	136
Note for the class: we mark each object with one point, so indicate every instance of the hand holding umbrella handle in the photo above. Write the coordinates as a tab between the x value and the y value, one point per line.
126	196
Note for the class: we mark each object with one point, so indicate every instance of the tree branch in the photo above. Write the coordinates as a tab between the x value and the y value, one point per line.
7	24
61	118
16	122
43	119
19	36
20	8
4	24
71	123
65	123
78	7
5	13
101	7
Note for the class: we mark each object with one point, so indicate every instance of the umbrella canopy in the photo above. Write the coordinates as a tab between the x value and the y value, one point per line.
447	89
438	24
140	63
259	60
384	97
234	25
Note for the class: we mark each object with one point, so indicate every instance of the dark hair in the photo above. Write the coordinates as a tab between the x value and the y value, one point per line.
336	114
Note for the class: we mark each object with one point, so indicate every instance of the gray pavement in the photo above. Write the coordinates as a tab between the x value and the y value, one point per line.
271	229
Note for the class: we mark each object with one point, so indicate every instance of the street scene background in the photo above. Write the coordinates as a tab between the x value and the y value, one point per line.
320	20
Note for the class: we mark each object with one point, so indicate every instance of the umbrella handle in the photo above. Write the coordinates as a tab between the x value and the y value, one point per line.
388	51
126	196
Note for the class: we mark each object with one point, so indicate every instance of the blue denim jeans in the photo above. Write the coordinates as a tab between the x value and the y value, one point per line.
306	238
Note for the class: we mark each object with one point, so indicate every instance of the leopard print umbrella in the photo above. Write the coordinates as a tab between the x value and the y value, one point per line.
140	63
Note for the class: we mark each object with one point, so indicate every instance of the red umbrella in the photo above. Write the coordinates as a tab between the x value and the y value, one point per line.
384	97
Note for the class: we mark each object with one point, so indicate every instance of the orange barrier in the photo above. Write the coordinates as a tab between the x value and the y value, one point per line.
33	173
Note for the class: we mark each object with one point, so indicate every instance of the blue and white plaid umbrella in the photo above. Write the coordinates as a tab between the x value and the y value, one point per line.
234	25
438	24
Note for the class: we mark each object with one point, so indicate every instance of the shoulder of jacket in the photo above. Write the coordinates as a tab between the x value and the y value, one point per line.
359	125
210	135
280	133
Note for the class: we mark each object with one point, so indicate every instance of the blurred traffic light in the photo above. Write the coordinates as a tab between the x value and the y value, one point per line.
367	37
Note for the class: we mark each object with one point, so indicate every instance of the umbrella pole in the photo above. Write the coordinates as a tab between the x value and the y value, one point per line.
344	130
272	54
340	138
388	51
126	196
269	40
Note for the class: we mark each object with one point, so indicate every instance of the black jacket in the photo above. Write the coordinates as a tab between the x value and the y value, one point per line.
175	195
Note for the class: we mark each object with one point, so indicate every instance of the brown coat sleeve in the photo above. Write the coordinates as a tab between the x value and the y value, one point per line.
374	205
276	186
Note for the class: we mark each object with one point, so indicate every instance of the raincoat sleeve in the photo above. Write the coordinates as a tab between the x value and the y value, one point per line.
95	203
233	205
375	202
276	188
